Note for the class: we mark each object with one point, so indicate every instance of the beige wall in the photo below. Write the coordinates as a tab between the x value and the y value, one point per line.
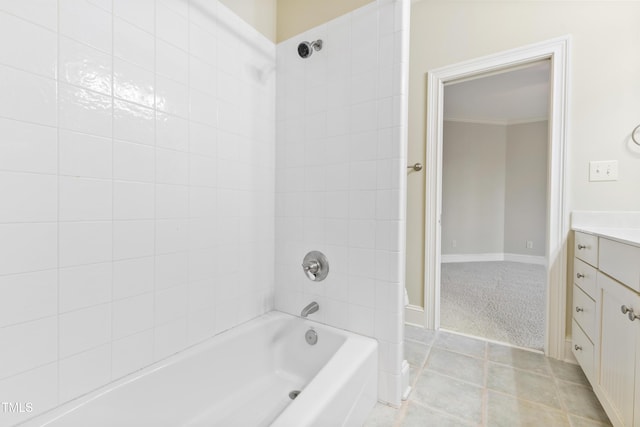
260	14
525	207
279	20
494	188
473	197
297	16
604	107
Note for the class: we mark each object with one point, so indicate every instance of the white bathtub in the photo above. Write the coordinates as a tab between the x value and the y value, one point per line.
241	377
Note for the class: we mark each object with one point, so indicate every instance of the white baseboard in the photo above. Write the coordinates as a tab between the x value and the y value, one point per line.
405	376
528	259
472	257
414	315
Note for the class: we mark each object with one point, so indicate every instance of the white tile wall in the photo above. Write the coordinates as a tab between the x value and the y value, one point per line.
137	161
340	177
124	230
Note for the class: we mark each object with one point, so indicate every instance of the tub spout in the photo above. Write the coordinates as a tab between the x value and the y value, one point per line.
311	308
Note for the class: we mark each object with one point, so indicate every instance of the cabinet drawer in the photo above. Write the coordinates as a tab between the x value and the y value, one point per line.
583	350
586	248
584	276
620	261
584	312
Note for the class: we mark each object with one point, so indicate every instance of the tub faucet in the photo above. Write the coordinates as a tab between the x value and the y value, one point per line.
311	308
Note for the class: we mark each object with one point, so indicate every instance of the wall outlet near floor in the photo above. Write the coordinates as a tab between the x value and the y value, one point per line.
603	170
454	244
529	244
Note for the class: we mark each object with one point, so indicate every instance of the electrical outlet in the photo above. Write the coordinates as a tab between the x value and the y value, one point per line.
603	170
454	244
529	244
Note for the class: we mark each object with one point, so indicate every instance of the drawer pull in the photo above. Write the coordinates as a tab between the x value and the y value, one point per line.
579	275
624	309
633	316
577	347
579	309
580	247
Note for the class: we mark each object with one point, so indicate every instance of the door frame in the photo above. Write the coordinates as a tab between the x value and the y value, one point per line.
557	51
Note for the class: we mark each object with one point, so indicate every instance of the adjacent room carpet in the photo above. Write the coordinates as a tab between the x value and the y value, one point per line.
502	301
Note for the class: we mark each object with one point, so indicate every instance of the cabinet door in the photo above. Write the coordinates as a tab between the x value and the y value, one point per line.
618	347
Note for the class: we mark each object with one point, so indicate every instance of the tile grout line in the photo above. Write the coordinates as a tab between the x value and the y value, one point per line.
188	288
58	200
402	411
447	414
154	344
556	387
485	389
113	196
562	410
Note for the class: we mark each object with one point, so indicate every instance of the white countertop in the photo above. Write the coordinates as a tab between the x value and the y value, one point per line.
623	226
630	236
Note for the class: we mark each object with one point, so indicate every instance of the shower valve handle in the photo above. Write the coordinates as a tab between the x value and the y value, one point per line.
311	267
315	266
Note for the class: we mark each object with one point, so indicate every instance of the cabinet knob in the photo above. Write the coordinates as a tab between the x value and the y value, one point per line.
579	275
577	347
624	309
633	316
580	247
579	309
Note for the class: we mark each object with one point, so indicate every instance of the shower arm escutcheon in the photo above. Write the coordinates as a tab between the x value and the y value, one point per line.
315	266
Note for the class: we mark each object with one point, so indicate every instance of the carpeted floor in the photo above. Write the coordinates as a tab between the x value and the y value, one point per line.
502	301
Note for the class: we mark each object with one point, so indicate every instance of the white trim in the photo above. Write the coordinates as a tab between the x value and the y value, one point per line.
488	257
476	121
497	122
558	51
506	344
527	259
405	375
414	315
527	121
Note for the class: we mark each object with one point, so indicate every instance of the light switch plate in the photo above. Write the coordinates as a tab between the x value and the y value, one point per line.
603	170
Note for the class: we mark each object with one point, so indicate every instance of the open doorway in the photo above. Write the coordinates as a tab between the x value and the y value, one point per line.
557	51
494	205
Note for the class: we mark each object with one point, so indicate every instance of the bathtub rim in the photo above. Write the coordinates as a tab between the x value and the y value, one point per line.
55	414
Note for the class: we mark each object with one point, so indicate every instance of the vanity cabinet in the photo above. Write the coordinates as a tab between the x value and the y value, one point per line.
584	302
618	354
606	323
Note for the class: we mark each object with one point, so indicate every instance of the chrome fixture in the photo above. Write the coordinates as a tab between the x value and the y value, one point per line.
311	336
316	266
305	49
311	308
417	167
293	394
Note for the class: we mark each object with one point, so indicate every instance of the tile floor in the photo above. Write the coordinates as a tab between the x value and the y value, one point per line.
460	381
